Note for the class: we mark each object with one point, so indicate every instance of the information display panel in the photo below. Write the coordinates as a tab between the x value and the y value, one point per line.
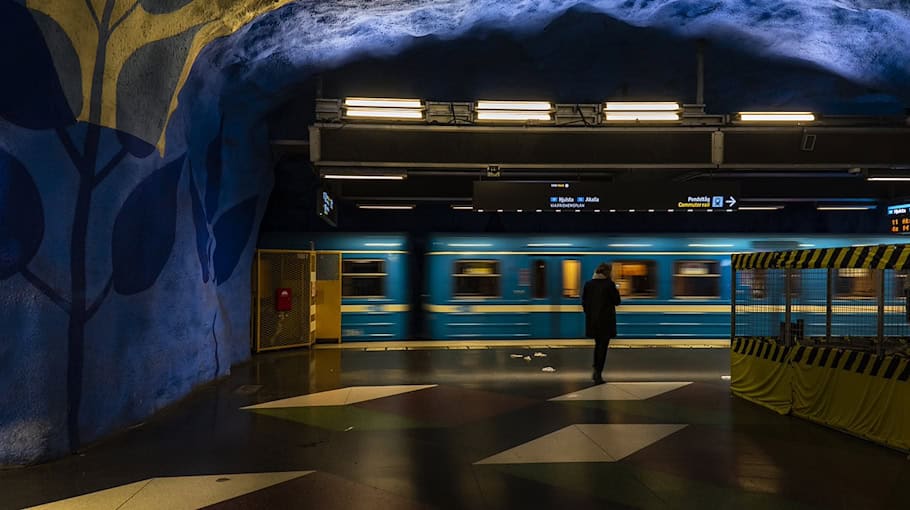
530	196
899	218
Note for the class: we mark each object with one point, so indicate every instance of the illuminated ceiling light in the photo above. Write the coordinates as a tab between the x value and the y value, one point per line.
365	177
641	106
549	245
383	108
710	245
387	207
378	102
845	207
806	245
462	207
515	105
776	116
888	178
538	210
512	115
630	245
514	110
470	245
384	113
383	245
641	116
761	208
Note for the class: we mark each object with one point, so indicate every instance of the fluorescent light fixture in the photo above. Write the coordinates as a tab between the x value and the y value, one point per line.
512	115
383	108
630	245
382	245
387	207
548	245
366	177
462	207
641	106
670	210
515	105
638	116
806	245
538	210
710	245
845	207
384	113
761	208
776	116
470	245
379	102
888	178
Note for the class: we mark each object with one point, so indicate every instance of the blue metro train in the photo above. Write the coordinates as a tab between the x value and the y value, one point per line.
480	287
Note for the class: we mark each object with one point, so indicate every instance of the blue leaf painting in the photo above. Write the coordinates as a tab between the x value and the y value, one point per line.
144	230
135	146
232	231
21	216
202	231
213	169
30	92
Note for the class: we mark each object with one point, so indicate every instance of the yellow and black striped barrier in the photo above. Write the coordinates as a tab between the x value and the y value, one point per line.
854	391
888	256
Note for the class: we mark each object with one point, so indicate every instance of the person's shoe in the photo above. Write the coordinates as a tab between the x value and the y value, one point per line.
597	378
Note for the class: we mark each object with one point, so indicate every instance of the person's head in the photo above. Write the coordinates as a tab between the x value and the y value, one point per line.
604	269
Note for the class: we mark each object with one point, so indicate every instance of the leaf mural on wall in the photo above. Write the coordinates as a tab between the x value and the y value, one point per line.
144	230
21	216
202	228
30	92
213	174
232	231
135	146
112	31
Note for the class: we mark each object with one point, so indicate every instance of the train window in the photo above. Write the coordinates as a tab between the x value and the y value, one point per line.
901	283
635	279
854	283
363	278
571	278
696	279
760	282
476	278
539	285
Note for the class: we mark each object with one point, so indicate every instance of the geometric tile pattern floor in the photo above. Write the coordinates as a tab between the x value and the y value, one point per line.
176	493
586	443
623	391
465	429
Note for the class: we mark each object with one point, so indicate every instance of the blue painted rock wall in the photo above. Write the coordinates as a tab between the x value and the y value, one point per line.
130	193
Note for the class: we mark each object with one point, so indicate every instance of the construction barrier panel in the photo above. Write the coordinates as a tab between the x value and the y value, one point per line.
760	373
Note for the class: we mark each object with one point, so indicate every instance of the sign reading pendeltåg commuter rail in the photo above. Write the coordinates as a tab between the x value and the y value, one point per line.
578	196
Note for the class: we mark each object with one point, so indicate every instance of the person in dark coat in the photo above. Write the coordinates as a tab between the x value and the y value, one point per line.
599	300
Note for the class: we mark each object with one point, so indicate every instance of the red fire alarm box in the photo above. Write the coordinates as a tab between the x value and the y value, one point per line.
283	300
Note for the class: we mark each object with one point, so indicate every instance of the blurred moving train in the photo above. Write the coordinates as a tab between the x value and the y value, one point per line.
486	286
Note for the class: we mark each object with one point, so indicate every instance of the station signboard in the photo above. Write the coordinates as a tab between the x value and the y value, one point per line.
568	196
326	207
899	218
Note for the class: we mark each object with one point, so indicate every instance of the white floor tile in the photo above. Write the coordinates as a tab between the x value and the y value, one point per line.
623	391
586	443
176	493
340	397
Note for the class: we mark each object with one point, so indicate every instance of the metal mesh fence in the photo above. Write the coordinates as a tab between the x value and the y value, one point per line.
856	308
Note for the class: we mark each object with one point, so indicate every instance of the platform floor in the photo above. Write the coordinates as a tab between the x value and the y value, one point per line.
334	429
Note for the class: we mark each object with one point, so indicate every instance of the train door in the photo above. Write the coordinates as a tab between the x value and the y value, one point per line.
555	297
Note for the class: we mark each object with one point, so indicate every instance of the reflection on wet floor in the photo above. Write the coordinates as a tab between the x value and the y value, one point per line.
470	428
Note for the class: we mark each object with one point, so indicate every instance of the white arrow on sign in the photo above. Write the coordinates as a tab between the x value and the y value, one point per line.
731	201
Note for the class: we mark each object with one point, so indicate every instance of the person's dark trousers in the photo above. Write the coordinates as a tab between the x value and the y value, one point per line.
600	354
